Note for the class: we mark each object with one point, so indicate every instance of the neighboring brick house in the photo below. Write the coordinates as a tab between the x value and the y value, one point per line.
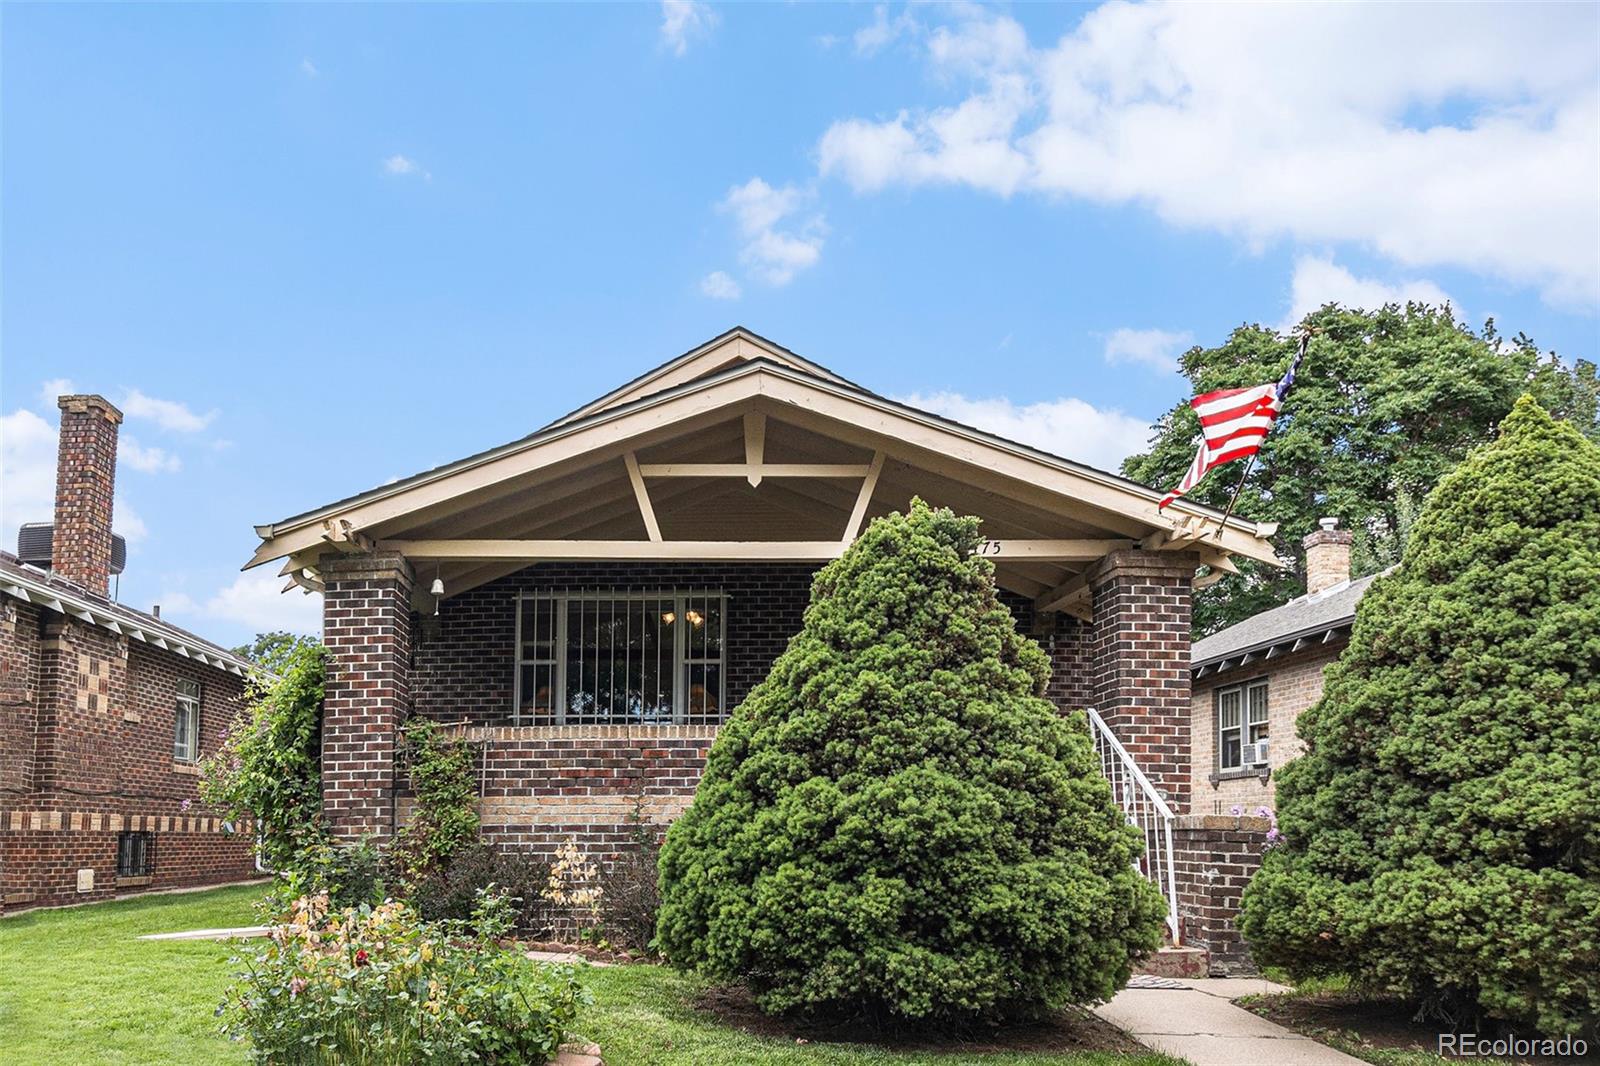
105	711
1251	681
586	604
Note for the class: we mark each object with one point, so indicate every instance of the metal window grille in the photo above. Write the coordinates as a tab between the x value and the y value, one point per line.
606	657
186	722
1241	719
134	854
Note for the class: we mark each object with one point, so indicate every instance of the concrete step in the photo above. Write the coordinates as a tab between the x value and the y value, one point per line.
1176	962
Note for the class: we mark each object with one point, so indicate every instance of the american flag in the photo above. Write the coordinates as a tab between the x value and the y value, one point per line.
1234	422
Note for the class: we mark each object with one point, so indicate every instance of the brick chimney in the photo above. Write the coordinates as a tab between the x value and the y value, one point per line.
1327	556
86	471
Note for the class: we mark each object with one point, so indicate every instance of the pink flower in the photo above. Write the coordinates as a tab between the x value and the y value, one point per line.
1236	810
297	985
1263	812
185	805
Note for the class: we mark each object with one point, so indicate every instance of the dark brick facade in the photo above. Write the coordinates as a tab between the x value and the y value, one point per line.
86	753
1214	858
366	627
1141	661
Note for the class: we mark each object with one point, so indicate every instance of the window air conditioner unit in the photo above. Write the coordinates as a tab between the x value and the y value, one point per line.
1256	754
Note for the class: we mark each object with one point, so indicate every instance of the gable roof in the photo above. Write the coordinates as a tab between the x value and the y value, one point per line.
1314	618
737	345
738	368
32	585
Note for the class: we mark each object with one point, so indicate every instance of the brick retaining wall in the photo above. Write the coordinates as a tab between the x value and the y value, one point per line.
1214	858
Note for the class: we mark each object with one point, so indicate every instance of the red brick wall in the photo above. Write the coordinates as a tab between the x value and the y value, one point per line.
1214	858
366	627
1141	661
88	720
86	469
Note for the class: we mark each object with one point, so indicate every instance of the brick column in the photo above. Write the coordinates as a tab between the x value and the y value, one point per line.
366	626
1141	661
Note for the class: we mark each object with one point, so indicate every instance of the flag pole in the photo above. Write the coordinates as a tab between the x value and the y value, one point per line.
1305	342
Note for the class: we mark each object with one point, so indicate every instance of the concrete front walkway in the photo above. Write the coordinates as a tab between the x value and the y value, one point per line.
1197	1020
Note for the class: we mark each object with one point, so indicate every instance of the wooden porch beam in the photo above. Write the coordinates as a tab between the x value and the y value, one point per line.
869	485
647	512
1070	596
757	471
1000	550
755	445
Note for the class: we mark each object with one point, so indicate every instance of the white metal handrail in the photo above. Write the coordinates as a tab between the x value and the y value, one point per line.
1145	809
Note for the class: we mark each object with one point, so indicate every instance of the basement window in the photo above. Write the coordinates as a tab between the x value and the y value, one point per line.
1241	725
186	722
134	854
617	658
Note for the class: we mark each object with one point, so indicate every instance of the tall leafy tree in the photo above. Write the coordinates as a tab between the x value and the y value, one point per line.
896	822
272	650
1386	403
1442	830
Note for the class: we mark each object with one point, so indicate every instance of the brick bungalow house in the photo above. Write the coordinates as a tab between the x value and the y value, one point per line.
587	603
105	711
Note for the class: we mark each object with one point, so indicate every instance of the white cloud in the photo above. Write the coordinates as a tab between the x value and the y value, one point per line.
254	600
308	68
150	460
684	19
54	389
168	414
27	473
774	255
1473	142
883	31
719	286
1155	348
127	521
1068	427
1319	280
400	166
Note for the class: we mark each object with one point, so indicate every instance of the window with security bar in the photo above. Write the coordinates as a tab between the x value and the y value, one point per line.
614	658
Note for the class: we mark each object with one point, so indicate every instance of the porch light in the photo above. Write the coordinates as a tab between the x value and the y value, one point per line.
668	617
694	617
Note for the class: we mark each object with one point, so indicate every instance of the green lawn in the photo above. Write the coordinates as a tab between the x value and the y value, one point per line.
76	989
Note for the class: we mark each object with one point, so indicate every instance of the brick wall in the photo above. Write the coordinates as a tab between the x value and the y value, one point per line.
87	719
464	665
86	469
1214	858
366	627
1294	682
1140	648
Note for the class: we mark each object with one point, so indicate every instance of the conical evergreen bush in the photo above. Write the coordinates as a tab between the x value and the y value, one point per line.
1442	831
896	823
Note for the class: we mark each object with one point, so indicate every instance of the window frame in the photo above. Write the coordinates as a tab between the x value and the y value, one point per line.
1249	727
186	701
135	844
682	601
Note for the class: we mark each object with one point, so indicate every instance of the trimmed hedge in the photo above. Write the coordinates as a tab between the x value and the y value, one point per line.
896	823
1442	832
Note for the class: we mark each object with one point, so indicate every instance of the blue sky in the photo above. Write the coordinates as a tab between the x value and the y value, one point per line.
310	249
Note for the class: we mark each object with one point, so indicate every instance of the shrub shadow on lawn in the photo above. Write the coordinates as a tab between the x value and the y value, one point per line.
1382	1030
1067	1030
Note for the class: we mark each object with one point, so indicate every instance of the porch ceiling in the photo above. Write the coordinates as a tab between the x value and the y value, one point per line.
758	460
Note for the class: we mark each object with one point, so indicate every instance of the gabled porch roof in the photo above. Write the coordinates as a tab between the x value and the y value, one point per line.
742	450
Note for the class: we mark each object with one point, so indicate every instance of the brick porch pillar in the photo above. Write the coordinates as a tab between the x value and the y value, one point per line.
366	626
1141	661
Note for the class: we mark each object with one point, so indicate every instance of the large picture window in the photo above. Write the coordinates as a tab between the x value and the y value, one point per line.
1241	721
612	658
